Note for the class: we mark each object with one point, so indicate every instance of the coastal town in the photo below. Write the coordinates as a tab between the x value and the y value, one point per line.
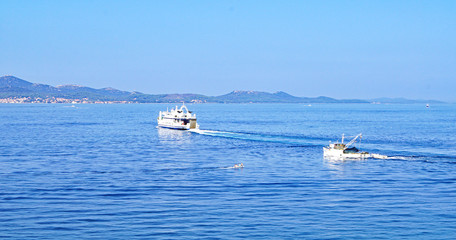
74	101
56	100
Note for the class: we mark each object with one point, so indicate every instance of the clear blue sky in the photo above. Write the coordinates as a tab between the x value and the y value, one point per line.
341	49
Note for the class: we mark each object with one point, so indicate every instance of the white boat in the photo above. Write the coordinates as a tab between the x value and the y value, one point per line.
178	118
340	150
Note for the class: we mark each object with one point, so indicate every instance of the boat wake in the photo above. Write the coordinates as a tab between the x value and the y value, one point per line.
302	141
400	158
236	166
259	137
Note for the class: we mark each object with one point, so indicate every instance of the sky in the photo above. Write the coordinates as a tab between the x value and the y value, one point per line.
340	49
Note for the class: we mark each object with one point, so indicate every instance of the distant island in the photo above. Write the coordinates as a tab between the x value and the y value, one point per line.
16	90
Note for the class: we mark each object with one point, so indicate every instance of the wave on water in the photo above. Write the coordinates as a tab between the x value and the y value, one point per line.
70	106
237	168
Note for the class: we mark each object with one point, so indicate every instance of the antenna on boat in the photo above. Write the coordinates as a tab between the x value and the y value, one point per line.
343	136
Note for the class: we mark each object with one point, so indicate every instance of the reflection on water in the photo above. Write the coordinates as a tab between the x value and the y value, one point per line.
178	136
339	164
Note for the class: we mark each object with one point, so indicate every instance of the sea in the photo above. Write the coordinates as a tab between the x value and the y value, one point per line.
94	171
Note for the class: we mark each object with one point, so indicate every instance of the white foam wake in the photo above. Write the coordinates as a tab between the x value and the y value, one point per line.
282	139
251	136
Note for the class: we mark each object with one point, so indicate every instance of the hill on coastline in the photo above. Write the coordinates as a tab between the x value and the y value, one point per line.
15	88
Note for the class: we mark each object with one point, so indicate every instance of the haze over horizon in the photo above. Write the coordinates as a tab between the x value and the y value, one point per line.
339	49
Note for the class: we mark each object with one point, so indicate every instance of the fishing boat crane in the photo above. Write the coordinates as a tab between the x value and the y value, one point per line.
353	140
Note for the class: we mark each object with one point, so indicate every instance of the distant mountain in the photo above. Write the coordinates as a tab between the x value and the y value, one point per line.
13	82
12	88
277	97
253	96
15	85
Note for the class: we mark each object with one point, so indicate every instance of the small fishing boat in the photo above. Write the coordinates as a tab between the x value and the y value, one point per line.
240	165
341	150
236	166
178	118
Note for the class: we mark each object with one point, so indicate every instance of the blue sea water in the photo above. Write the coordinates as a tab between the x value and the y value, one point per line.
107	172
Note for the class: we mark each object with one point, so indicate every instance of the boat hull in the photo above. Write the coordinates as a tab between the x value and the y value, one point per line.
339	154
175	127
336	154
178	126
171	124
